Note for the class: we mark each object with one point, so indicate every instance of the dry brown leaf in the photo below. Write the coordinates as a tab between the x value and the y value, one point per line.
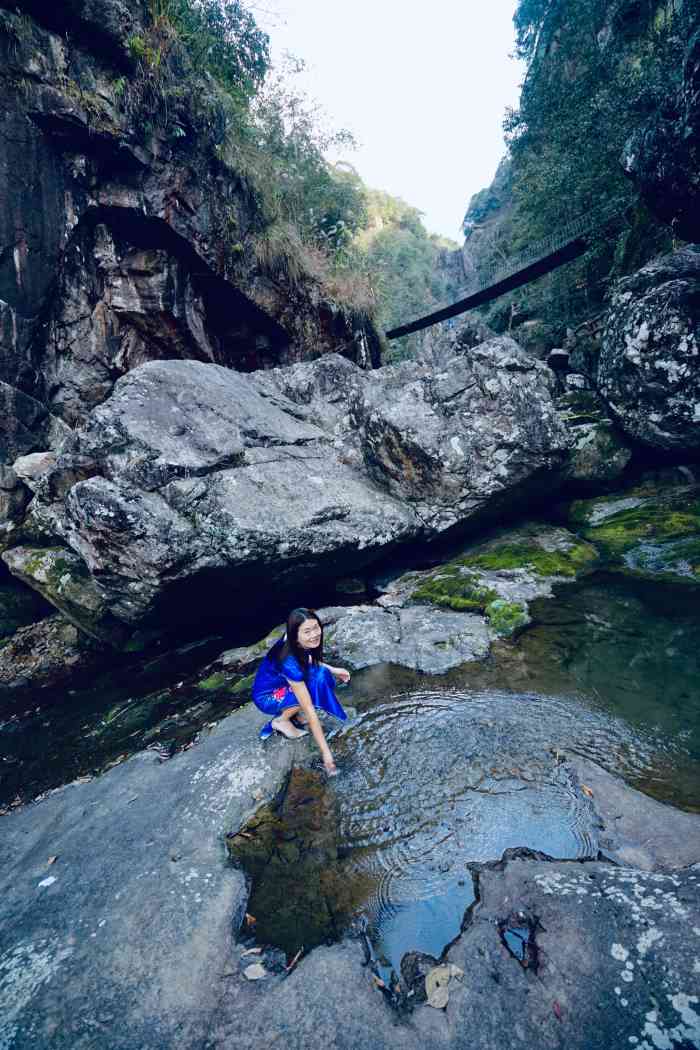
250	920
586	790
52	860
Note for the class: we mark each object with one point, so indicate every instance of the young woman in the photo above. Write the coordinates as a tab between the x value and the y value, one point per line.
292	680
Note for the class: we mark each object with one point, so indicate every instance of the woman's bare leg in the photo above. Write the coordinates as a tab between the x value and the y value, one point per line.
283	724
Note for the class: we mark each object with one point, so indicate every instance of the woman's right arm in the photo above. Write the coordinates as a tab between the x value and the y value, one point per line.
306	704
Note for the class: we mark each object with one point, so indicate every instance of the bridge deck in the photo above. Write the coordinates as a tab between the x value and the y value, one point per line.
567	243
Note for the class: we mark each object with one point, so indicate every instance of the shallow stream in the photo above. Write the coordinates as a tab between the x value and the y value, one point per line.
436	773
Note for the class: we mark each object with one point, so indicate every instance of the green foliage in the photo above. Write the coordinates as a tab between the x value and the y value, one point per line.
402	261
596	72
221	37
290	138
313	217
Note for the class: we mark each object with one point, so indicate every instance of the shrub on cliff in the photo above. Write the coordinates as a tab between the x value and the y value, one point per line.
597	70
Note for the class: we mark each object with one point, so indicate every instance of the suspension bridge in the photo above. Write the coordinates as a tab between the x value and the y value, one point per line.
566	243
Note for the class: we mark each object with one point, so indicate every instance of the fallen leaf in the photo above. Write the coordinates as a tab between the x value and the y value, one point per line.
255	972
439	997
52	860
378	982
557	1010
437	984
586	790
250	920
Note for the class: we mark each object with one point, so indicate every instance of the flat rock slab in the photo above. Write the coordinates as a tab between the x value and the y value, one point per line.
638	830
617	953
122	940
126	940
421	637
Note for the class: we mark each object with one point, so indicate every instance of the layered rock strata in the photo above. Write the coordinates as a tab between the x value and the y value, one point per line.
135	238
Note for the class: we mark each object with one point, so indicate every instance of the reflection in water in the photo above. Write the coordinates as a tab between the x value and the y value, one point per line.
432	781
437	772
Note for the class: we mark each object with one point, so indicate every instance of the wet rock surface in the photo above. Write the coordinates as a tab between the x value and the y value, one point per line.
124	940
646	531
613	946
130	942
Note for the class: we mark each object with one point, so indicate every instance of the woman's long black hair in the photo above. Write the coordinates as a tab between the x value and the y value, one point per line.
292	646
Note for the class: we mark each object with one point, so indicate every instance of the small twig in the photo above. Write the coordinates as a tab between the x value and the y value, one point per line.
295	960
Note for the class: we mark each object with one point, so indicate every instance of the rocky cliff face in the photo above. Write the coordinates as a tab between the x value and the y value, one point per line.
125	237
487	214
664	158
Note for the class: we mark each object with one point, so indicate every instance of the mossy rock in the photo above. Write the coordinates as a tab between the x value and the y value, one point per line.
243	685
654	536
63	579
506	617
215	681
453	587
568	561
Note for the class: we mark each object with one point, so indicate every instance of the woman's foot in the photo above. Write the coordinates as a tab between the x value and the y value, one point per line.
285	727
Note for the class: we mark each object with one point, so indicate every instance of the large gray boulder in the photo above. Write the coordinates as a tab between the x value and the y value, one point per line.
285	477
649	370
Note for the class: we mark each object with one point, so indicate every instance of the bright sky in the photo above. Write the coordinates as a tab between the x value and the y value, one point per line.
423	87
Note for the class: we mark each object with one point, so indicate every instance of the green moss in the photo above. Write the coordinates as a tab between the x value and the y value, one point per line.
506	617
242	686
531	556
652	522
215	681
452	588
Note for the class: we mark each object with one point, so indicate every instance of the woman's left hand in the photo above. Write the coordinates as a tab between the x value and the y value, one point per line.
341	674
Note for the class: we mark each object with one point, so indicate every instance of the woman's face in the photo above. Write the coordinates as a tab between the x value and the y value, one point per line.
310	634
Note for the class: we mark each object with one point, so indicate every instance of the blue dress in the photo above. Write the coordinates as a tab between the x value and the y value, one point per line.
272	693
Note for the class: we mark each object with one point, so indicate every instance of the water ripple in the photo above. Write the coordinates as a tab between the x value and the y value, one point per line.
432	781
